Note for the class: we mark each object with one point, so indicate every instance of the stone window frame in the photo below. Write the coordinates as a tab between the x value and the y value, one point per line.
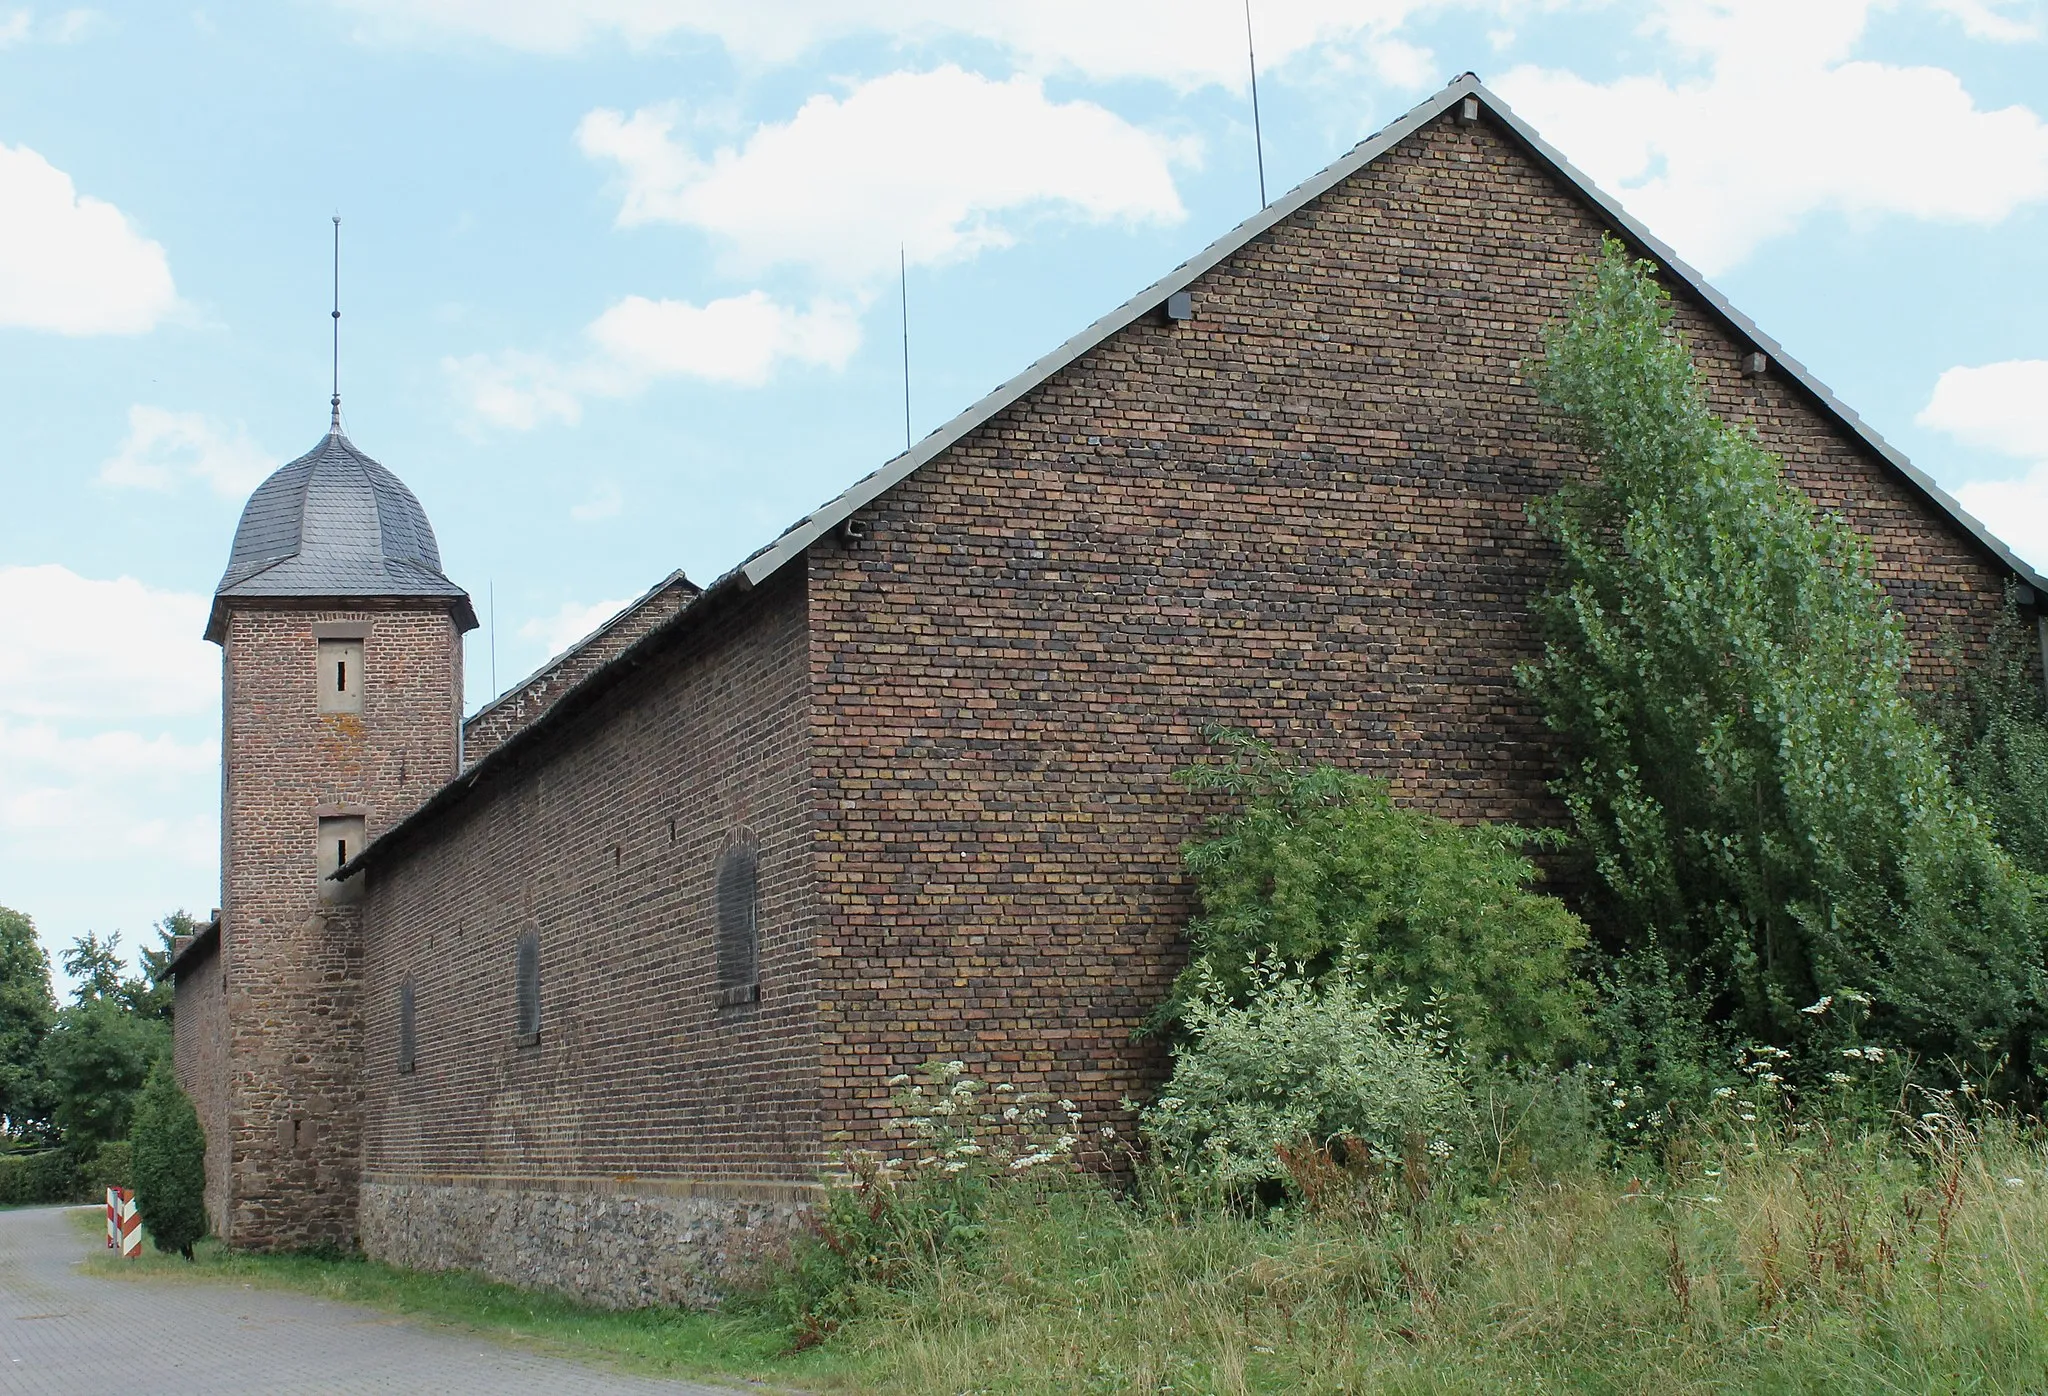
526	988
340	641
408	1026
332	826
736	920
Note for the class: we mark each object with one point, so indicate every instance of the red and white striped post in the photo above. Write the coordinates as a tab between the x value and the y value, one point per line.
124	1222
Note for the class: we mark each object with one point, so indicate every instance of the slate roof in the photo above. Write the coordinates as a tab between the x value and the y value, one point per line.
334	523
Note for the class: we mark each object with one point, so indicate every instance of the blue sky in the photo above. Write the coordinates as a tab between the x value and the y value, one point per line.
619	281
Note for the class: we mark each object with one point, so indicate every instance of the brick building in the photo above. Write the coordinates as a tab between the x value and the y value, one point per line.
898	786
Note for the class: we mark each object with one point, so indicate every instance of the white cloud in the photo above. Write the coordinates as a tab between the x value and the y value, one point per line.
571	623
1784	123
74	647
1999	21
739	341
2001	407
942	163
113	798
1188	43
14	27
108	766
164	448
2015	510
72	263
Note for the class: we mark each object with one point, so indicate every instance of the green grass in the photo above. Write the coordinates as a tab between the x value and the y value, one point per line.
1752	1260
667	1342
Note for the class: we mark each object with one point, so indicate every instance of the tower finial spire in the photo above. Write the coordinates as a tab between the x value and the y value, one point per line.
334	403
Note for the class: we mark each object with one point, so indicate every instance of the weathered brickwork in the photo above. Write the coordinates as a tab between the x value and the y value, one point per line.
293	965
1303	513
622	1244
487	729
199	1027
605	843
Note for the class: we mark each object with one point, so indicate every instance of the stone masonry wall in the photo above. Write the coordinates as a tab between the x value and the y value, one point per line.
292	964
1302	513
199	1029
622	1244
605	844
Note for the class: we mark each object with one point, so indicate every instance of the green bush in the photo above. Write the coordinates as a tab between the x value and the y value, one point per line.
1320	866
1300	1065
43	1177
1765	812
111	1165
170	1162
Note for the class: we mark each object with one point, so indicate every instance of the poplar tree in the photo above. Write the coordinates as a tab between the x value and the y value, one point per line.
1768	817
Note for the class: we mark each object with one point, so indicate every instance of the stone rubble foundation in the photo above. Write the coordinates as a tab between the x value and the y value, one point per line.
618	1244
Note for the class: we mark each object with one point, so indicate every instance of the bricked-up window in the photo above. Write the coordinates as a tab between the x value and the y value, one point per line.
339	674
739	922
526	1030
408	1041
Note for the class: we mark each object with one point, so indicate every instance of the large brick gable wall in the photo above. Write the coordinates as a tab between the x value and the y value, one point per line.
1304	513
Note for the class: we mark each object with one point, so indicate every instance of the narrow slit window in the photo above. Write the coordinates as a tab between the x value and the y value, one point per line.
526	995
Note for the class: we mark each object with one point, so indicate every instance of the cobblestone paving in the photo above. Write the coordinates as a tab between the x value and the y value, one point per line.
68	1333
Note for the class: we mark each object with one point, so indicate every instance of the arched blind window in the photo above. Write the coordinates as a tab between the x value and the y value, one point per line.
527	992
739	922
407	1042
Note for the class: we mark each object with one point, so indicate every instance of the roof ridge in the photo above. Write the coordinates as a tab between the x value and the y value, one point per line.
763	563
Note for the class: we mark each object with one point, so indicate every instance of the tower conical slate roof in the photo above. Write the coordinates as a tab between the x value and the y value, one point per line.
334	523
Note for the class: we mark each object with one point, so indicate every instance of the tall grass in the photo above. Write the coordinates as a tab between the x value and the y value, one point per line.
1755	1258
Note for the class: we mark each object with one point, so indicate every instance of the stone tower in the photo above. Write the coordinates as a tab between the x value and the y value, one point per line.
341	710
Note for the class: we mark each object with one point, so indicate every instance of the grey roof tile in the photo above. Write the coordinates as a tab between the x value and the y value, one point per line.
334	523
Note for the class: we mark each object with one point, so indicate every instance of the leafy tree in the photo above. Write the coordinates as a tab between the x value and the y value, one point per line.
152	994
95	1058
169	1152
26	1011
1319	867
1767	815
1999	722
94	966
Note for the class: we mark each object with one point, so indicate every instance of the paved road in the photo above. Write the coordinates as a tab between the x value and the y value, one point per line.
66	1332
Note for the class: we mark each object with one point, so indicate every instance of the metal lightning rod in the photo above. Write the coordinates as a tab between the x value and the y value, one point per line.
334	403
1258	135
903	289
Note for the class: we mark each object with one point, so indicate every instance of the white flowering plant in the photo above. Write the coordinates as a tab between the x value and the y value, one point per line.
886	1214
1299	1065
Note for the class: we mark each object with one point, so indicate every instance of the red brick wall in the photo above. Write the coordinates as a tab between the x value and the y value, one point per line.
517	707
1304	514
199	1031
292	967
606	842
